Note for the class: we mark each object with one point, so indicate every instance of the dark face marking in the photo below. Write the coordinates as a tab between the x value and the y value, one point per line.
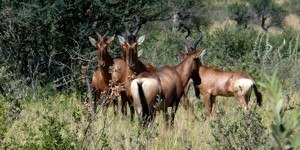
130	47
131	39
131	56
102	47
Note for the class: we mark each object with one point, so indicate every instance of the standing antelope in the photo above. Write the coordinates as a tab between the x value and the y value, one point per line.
216	82
167	83
134	66
102	76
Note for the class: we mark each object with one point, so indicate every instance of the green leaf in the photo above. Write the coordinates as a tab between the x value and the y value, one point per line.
296	141
278	107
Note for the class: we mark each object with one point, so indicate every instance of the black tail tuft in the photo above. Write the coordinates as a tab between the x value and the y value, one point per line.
144	104
258	95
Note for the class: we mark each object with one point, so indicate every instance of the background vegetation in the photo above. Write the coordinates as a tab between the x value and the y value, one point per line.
44	44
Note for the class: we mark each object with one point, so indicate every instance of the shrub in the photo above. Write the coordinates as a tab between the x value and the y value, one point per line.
4	118
241	131
285	125
160	48
284	57
228	45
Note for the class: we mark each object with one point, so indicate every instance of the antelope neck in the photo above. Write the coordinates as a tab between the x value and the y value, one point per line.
105	70
184	71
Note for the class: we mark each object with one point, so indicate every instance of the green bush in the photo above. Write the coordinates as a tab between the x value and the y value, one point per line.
244	130
230	43
285	131
240	14
279	53
52	137
160	48
52	122
4	118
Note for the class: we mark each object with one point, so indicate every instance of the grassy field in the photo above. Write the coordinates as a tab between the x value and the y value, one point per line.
62	121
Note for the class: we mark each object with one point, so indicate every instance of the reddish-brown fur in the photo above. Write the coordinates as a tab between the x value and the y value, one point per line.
101	77
133	67
216	82
168	83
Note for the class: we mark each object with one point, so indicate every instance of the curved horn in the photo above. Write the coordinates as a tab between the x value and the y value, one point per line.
185	39
138	26
198	39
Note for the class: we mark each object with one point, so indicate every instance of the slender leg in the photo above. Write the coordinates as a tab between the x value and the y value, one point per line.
115	106
243	96
186	101
166	116
197	91
242	102
213	105
174	110
247	99
130	103
124	104
207	103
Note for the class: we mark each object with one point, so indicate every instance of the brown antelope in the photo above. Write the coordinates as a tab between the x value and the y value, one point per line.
102	76
155	91
130	52
216	82
134	66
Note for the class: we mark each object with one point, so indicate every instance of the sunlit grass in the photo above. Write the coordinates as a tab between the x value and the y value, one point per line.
190	131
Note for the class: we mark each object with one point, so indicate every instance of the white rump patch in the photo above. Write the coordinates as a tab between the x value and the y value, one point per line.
150	88
242	86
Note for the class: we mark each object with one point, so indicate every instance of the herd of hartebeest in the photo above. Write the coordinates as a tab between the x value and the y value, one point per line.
148	90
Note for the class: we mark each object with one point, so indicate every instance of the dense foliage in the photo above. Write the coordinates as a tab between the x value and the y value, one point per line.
40	40
44	44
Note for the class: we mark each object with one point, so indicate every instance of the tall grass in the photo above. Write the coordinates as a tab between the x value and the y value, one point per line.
43	118
62	122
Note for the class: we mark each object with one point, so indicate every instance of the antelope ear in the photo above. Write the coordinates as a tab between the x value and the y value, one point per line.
141	39
110	39
180	54
121	39
140	53
203	53
93	41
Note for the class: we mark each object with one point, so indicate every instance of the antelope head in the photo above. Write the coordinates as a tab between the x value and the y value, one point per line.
101	44
130	45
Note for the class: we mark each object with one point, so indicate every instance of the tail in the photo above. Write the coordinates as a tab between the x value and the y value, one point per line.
144	92
143	100
258	95
139	98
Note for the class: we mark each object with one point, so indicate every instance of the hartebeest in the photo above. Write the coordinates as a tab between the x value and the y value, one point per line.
216	82
134	66
102	76
155	91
